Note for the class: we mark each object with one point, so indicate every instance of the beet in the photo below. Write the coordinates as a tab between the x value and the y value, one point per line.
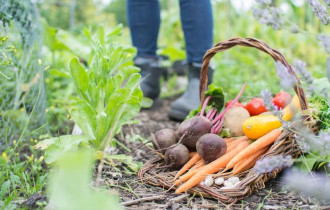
164	138
194	128
210	147
177	156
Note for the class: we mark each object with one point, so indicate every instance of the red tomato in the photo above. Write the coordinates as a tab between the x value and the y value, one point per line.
256	106
236	104
282	99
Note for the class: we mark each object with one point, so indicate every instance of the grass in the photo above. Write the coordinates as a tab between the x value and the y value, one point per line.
21	174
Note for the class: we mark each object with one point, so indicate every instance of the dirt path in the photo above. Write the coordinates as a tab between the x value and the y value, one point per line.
136	195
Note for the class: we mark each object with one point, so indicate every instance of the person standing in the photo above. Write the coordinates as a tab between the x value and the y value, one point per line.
197	23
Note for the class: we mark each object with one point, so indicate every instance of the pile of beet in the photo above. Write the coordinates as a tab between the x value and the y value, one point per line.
200	132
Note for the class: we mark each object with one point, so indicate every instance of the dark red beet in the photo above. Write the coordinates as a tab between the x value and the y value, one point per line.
177	156
164	138
194	128
210	147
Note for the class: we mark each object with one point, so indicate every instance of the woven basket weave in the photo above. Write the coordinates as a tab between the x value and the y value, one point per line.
154	172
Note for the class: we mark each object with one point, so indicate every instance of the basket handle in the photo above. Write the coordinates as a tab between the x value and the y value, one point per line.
248	42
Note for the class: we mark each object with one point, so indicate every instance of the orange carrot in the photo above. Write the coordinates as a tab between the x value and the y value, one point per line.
191	154
236	142
191	172
211	168
188	165
248	162
257	145
199	164
228	140
187	176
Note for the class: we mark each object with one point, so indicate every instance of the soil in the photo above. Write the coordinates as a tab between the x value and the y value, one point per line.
137	195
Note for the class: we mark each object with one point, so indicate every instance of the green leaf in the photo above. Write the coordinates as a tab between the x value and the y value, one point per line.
52	41
225	133
128	160
85	116
59	73
100	33
194	112
127	71
115	31
4	189
307	162
87	34
101	125
146	102
218	98
109	87
78	74
122	106
69	185
60	145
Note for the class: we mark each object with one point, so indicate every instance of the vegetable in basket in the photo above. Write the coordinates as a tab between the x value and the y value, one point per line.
282	99
177	156
210	147
230	159
164	138
210	168
257	126
234	119
321	109
238	104
191	129
256	106
206	119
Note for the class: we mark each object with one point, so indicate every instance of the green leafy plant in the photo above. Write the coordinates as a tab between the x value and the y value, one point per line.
108	97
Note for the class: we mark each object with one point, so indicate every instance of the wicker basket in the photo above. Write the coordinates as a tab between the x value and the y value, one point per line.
154	173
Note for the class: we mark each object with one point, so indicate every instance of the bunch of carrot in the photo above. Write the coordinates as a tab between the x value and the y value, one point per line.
240	156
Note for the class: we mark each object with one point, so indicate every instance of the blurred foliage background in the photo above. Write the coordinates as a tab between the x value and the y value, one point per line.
63	23
231	19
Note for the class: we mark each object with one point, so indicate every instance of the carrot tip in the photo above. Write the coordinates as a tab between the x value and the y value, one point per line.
177	191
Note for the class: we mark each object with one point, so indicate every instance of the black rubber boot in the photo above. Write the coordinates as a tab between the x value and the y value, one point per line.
181	107
180	68
150	74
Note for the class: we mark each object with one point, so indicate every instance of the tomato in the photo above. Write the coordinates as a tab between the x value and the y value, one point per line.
236	104
256	106
282	99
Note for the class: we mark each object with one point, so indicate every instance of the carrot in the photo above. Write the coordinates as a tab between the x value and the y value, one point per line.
260	143
191	154
228	140
192	172
248	162
199	164
236	142
187	176
210	168
188	165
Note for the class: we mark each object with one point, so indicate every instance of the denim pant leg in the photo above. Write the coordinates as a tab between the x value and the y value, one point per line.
197	24
144	21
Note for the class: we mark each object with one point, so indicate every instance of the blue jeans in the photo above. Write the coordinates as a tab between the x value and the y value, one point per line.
196	19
